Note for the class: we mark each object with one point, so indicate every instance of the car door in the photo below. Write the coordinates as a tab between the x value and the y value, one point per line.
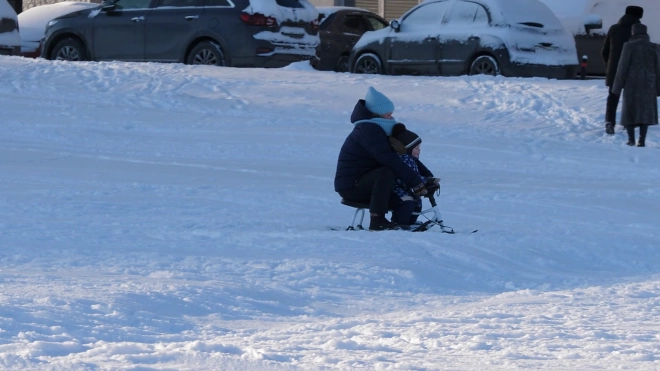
118	32
461	36
351	26
413	50
170	27
338	35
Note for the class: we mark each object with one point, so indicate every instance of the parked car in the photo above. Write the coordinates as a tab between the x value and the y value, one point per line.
10	39
340	29
442	37
238	33
34	20
589	20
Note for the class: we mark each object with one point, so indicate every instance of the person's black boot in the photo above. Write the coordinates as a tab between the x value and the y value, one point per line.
643	129
609	128
379	223
631	135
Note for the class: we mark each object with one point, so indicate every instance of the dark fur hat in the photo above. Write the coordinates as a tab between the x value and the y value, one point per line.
403	140
635	11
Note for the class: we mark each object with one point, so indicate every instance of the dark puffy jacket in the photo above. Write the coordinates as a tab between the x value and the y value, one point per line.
617	35
367	148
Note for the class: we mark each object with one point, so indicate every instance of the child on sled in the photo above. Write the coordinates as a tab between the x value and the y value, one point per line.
408	145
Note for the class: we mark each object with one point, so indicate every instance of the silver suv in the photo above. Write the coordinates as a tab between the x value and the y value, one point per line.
237	33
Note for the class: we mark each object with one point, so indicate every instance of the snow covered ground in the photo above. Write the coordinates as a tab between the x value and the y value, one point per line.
171	217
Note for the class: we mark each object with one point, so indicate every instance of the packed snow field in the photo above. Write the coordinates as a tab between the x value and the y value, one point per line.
171	217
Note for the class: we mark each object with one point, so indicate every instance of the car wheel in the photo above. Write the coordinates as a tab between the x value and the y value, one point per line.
207	53
342	64
485	65
368	64
68	50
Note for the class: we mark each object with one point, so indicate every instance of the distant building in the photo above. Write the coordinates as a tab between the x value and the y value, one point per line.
388	9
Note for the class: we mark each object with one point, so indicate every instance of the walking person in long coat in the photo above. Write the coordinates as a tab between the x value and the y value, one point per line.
617	35
638	76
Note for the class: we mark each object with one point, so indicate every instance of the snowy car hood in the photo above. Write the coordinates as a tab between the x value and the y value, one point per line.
33	21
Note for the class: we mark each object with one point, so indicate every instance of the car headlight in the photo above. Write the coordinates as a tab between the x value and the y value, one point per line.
51	23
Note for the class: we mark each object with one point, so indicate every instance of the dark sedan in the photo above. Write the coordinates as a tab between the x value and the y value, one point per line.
340	29
521	38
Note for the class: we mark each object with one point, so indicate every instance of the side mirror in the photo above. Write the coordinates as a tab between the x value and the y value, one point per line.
592	22
394	24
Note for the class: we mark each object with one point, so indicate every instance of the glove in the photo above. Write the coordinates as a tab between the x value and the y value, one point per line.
432	185
420	190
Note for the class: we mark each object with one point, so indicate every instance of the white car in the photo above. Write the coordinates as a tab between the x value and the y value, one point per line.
10	39
33	23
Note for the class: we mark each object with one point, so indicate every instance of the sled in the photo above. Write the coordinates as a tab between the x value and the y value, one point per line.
434	211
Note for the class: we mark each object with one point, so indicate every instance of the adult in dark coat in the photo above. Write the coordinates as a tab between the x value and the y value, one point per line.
367	166
617	35
639	78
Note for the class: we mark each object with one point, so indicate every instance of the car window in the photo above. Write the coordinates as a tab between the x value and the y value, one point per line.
221	3
426	15
376	24
354	23
179	3
481	18
463	13
132	4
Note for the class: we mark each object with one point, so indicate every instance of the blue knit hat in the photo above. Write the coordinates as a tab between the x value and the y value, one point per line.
377	102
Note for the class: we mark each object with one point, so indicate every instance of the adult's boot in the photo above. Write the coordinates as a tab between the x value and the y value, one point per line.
609	128
379	223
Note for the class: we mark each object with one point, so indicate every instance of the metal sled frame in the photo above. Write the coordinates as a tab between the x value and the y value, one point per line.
435	219
360	208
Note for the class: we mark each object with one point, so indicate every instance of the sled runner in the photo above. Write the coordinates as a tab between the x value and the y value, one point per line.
434	211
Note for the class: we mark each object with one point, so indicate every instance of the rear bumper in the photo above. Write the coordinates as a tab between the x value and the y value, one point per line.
10	50
275	60
31	49
537	70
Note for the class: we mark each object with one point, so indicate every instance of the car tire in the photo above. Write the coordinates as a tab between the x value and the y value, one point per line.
69	49
485	65
207	53
342	64
368	64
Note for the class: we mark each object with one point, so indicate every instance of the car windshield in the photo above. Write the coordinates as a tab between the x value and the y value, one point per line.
530	13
